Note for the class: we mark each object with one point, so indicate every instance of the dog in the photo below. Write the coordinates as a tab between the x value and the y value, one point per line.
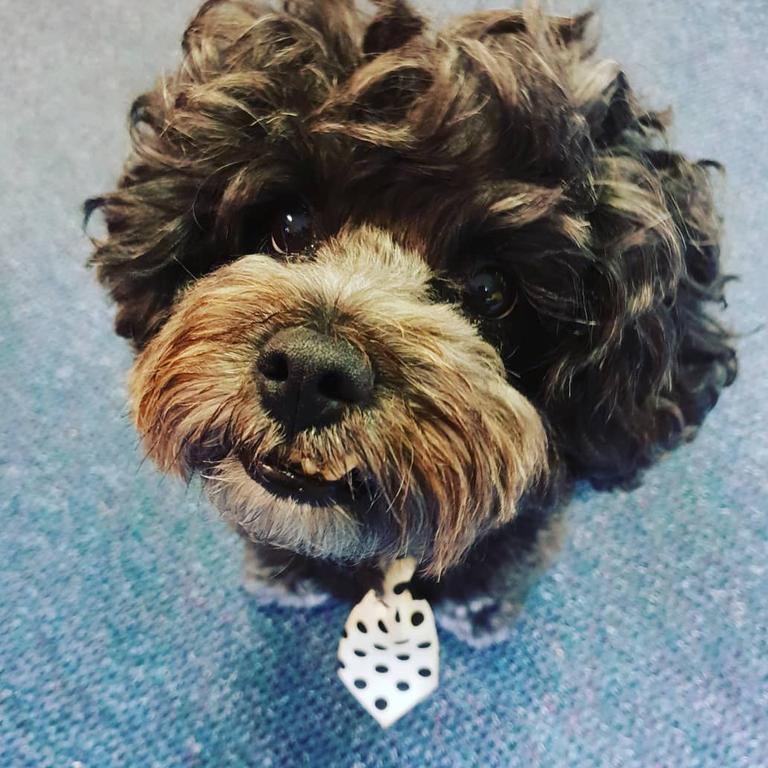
394	289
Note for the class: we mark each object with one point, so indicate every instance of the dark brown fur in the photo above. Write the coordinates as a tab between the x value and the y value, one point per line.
500	137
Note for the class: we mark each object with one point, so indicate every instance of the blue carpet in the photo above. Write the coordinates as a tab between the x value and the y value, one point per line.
125	639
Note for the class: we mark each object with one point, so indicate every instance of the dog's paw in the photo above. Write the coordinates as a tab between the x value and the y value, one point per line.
301	593
480	621
275	582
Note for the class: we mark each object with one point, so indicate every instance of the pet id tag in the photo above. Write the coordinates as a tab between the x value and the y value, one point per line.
389	652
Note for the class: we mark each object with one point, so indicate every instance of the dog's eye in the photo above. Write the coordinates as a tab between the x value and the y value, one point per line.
292	230
487	293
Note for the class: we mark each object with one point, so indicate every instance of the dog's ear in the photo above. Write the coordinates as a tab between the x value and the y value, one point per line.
393	26
642	372
136	260
157	229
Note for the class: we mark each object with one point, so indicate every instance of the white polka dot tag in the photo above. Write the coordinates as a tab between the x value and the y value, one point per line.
389	654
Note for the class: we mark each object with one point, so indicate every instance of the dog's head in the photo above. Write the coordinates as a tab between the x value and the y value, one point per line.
384	282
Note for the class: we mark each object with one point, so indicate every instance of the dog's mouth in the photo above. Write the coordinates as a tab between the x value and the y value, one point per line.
346	484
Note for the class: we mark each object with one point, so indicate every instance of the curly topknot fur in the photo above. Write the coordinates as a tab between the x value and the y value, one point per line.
499	138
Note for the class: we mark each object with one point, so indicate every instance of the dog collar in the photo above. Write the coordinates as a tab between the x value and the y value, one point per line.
389	653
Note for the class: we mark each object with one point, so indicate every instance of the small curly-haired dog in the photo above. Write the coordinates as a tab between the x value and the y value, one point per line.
392	289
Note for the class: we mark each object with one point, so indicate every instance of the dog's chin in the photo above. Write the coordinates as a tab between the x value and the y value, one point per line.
273	501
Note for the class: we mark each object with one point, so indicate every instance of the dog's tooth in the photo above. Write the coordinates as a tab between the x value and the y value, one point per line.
308	467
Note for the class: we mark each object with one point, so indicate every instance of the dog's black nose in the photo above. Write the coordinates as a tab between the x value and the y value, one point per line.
308	379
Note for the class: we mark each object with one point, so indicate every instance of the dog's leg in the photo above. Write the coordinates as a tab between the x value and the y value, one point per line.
279	577
480	602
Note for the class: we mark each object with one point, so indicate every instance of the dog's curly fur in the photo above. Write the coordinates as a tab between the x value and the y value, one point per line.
500	139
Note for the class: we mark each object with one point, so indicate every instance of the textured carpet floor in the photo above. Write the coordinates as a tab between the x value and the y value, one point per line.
125	639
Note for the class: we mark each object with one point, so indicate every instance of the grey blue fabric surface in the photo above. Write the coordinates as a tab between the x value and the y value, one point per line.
125	637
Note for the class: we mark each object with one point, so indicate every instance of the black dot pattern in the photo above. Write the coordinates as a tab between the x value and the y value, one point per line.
387	656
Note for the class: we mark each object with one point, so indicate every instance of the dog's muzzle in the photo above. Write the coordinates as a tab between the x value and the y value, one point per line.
335	409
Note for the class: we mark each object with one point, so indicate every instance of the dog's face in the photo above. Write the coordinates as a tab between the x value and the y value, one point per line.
385	283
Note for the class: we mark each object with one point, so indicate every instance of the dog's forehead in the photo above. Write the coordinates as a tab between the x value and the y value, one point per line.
429	192
427	209
428	140
426	216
